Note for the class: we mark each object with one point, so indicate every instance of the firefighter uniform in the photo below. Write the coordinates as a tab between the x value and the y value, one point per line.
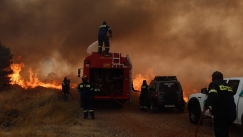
65	88
220	98
87	97
103	38
144	96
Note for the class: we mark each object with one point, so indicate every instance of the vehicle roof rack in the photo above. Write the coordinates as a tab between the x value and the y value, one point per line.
165	78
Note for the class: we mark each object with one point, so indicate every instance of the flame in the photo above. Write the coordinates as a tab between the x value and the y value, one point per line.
137	81
33	78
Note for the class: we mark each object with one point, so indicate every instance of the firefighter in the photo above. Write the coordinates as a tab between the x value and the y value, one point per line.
87	97
220	98
104	38
65	88
143	96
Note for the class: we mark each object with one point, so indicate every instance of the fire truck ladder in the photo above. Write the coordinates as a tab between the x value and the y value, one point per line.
116	60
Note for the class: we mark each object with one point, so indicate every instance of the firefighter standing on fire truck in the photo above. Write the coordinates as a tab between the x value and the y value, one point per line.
65	88
220	98
87	97
144	96
104	38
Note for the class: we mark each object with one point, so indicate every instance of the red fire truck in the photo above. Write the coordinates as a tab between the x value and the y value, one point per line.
110	75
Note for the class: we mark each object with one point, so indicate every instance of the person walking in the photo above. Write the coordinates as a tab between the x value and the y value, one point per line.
144	96
87	97
220	98
65	88
104	38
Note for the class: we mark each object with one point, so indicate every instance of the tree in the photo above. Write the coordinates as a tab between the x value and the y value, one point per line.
5	62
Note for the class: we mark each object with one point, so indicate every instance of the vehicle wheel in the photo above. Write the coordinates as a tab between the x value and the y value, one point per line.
194	114
153	108
180	109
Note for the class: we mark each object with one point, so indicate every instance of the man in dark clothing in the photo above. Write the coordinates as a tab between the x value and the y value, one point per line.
87	97
103	38
144	96
65	88
220	98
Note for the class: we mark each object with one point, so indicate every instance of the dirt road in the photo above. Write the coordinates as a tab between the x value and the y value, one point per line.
131	122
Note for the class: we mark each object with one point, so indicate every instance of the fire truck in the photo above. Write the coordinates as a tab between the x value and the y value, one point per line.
110	75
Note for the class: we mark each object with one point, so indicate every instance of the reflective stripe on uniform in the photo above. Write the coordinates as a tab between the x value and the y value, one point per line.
230	89
212	90
88	86
91	110
102	26
222	87
81	86
85	110
143	87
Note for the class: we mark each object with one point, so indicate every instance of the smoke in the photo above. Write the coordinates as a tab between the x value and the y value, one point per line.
93	47
189	39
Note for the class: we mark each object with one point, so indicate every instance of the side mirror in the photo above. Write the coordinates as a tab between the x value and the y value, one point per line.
204	91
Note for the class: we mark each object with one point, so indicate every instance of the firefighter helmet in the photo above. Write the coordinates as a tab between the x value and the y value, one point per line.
217	76
65	78
104	23
144	81
84	77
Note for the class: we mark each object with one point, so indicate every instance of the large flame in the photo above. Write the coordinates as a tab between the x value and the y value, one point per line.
33	78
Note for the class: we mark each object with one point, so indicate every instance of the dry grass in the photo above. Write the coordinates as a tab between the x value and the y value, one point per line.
28	112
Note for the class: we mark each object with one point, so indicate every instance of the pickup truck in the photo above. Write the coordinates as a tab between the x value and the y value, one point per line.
196	101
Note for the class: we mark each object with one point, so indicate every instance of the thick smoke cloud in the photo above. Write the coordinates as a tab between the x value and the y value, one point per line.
190	39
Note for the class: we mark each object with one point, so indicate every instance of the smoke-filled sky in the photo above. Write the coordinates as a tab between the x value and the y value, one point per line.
190	39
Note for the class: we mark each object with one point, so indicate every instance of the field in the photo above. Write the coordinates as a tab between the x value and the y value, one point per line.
42	112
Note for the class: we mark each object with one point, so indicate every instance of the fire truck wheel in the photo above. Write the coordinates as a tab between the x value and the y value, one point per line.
194	114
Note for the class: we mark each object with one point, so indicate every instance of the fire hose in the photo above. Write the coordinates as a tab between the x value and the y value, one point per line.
200	120
111	96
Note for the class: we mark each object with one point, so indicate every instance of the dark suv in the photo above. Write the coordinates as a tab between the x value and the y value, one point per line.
166	92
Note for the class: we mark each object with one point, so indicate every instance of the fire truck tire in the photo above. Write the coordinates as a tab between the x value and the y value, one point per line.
152	106
194	114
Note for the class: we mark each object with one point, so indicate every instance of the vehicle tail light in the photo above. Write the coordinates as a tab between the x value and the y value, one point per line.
156	95
87	62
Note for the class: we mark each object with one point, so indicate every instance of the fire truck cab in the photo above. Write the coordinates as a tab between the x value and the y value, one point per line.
110	75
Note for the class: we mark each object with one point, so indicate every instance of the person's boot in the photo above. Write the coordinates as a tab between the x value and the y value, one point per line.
85	115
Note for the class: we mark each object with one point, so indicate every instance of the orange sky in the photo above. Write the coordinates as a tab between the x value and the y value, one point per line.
189	39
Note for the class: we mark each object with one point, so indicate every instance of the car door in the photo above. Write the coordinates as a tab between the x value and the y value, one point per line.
236	85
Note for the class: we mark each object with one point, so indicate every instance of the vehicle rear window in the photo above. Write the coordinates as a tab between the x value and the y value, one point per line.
234	85
169	86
